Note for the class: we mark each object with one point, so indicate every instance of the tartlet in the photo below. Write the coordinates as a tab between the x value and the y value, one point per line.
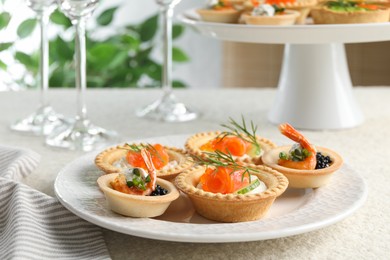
289	17
219	16
232	207
304	178
302	6
109	161
136	205
194	143
325	15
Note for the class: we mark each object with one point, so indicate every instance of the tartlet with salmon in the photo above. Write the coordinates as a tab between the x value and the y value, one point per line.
168	161
227	191
305	165
220	11
238	140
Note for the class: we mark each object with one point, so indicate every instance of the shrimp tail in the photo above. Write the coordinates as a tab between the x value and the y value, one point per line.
151	169
290	132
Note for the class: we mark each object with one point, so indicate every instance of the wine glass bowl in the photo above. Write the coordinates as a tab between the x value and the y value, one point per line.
167	108
41	5
82	134
76	9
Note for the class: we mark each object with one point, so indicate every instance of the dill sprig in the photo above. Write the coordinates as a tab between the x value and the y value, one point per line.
241	131
220	159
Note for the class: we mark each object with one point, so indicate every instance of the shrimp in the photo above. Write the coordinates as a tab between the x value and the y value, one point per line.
120	182
309	163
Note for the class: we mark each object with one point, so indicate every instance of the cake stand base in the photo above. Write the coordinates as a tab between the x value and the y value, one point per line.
315	89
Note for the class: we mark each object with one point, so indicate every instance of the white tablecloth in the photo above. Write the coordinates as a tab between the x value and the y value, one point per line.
364	235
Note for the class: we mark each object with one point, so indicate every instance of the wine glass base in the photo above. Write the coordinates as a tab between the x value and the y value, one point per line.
82	135
41	122
167	109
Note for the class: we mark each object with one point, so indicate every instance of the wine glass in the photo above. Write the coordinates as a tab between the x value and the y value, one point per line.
167	108
81	134
44	119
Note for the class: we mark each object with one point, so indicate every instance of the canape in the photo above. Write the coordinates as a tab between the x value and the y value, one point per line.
217	194
137	205
169	161
346	12
138	192
302	6
242	143
305	165
219	12
265	14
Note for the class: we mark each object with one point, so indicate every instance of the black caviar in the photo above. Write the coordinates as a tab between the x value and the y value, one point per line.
322	161
159	191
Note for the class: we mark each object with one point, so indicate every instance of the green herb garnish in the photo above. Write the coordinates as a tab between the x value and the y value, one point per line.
220	159
242	132
296	154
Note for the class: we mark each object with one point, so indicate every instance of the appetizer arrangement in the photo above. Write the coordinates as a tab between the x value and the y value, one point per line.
289	12
305	165
223	179
136	192
238	140
169	161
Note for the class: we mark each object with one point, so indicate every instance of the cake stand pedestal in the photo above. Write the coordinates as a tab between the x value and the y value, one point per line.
315	89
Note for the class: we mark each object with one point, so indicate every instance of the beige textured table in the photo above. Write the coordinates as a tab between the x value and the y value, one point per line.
364	235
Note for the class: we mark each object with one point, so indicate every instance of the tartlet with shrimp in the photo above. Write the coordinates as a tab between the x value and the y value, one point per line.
136	192
239	141
220	11
305	165
169	161
223	190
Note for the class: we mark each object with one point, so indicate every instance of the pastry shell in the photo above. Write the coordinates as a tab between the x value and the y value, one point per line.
232	207
288	18
324	15
137	206
106	161
194	142
219	16
302	6
304	178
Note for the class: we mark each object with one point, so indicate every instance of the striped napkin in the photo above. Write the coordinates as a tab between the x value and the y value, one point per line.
36	226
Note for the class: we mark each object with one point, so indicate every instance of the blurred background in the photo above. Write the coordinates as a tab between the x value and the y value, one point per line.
124	46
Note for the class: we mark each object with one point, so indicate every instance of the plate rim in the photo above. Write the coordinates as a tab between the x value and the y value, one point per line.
207	238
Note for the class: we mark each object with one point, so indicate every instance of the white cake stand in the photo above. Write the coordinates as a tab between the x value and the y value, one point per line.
315	89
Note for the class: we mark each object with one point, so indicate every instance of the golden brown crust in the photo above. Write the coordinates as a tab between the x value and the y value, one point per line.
288	18
324	15
107	159
137	205
232	207
194	142
219	16
304	178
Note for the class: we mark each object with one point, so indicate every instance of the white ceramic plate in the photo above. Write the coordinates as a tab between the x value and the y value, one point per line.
295	212
295	34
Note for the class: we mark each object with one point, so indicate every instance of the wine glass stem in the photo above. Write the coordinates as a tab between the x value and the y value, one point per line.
167	14
81	82
43	18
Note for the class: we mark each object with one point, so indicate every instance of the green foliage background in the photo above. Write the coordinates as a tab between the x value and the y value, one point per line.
123	59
